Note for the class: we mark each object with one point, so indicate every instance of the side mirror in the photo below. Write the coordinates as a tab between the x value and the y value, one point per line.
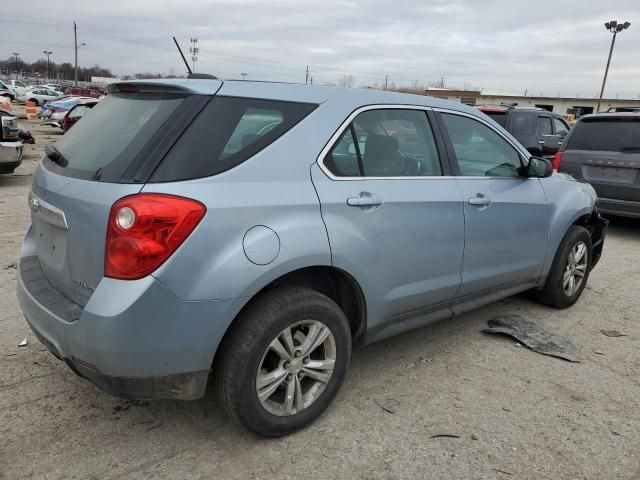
539	167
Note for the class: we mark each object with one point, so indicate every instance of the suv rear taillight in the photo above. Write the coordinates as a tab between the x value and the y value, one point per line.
144	230
557	158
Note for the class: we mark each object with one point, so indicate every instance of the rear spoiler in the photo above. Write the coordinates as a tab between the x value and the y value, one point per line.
197	83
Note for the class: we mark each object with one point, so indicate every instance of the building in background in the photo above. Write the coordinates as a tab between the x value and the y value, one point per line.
566	106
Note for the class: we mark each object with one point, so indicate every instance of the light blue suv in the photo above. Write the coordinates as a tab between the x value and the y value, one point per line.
251	232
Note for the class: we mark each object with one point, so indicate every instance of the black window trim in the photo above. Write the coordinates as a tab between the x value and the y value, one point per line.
453	160
443	156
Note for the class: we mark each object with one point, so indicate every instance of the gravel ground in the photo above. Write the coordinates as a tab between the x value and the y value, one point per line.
518	414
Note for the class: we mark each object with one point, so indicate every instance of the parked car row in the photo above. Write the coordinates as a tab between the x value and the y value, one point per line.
66	112
16	90
10	144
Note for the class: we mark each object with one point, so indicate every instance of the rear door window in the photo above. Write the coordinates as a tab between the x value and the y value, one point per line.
227	132
621	134
499	117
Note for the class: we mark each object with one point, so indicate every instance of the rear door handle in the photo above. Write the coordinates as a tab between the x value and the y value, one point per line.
541	142
480	201
364	199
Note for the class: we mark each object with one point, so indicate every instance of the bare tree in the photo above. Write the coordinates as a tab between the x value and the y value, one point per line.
346	81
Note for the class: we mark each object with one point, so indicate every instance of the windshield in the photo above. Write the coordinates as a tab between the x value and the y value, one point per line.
621	134
109	137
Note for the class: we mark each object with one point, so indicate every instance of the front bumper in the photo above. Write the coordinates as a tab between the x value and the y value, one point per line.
598	230
10	156
133	339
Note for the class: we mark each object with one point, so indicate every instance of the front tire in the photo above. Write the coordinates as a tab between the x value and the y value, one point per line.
570	269
284	361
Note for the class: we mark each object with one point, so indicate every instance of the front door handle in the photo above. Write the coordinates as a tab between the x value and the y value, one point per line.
541	142
480	201
364	199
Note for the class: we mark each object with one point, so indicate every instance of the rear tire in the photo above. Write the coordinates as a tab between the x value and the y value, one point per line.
559	290
248	360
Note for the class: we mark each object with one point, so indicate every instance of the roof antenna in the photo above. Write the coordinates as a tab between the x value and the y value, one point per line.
182	55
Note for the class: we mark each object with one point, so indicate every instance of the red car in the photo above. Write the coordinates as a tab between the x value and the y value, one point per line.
75	113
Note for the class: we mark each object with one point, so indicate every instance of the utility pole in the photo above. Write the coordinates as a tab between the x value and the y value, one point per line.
75	45
16	54
306	76
614	27
386	82
194	52
47	53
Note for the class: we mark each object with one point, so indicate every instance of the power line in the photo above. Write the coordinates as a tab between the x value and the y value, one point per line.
39	44
271	64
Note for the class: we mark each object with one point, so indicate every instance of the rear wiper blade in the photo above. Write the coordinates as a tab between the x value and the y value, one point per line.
54	155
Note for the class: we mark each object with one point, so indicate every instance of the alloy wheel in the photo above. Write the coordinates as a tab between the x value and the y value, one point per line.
296	368
576	269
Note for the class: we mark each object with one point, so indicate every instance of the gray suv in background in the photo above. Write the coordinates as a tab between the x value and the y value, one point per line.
254	231
604	150
539	131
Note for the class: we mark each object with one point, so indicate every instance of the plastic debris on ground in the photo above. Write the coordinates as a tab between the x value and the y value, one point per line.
533	336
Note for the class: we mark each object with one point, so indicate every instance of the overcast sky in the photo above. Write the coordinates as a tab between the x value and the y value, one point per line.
549	47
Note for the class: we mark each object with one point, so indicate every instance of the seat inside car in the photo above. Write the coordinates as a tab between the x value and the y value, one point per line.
382	157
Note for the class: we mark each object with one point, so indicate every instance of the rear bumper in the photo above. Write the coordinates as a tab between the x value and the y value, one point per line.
180	386
133	339
623	208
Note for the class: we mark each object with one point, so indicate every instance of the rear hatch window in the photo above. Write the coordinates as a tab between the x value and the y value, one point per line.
167	137
611	134
499	117
102	146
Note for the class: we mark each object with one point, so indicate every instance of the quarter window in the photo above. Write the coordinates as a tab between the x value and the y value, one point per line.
544	126
480	151
561	127
386	143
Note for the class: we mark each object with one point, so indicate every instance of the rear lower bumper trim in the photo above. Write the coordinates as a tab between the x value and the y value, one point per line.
624	208
179	386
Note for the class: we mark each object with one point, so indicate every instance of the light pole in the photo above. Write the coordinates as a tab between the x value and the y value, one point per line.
614	27
16	54
48	54
194	50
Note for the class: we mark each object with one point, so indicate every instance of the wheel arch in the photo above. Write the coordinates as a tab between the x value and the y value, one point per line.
335	283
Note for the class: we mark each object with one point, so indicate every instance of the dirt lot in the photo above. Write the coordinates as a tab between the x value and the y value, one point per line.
519	414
